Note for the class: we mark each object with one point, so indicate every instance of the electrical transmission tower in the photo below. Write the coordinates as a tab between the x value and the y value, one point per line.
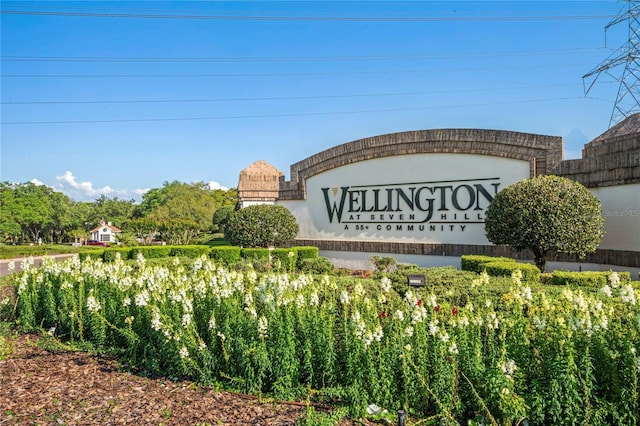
628	98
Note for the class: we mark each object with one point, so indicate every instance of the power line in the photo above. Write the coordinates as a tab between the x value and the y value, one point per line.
282	98
577	50
304	18
232	117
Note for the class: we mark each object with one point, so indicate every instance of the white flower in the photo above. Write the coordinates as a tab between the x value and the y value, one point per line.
314	300
525	292
407	347
186	320
614	279
92	304
385	284
399	315
344	297
12	266
300	302
212	322
51	331
433	327
263	324
221	336
516	276
453	348
408	331
184	352
628	295
606	290
142	299
126	301
156	324
444	337
508	368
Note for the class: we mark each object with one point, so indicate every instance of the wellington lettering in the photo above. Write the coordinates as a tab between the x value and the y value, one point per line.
426	206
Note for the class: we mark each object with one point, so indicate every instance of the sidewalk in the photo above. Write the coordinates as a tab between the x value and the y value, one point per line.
4	263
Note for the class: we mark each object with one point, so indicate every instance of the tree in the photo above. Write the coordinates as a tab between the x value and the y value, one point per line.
144	229
546	213
10	229
261	225
221	216
194	202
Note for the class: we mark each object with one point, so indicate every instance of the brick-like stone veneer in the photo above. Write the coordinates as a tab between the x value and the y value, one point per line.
542	152
603	257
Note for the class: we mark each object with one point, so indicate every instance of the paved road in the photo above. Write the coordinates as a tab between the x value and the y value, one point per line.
4	263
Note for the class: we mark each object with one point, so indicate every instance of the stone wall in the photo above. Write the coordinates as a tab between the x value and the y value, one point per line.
542	152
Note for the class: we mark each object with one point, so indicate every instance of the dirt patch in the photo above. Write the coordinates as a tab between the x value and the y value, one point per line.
78	388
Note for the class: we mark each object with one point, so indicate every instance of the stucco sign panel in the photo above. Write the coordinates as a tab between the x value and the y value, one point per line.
411	198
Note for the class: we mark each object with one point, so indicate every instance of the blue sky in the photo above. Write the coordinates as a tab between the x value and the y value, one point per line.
116	97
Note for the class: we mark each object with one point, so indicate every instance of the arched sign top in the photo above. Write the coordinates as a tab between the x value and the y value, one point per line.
542	152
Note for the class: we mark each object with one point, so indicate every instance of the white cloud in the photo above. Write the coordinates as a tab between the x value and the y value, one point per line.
84	191
36	182
215	185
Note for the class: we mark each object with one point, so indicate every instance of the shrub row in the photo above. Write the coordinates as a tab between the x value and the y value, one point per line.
499	267
289	258
591	279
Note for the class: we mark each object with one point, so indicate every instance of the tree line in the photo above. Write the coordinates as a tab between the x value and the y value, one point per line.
178	212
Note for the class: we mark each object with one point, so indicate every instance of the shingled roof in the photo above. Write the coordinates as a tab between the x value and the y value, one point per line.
625	127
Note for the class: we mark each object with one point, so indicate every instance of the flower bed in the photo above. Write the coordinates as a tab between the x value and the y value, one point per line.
523	355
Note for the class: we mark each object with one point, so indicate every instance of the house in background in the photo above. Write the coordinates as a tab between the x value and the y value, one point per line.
105	233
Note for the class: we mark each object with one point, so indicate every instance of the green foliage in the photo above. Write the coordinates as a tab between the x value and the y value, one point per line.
191	252
93	253
150	252
285	259
261	225
221	216
188	202
383	264
179	231
229	255
589	279
306	252
263	254
144	229
318	265
475	262
110	254
546	213
530	273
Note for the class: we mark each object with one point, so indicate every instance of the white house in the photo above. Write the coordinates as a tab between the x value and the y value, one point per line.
105	233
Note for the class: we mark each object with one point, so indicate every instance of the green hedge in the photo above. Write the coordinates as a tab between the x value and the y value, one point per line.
306	252
151	252
93	254
191	251
109	254
591	279
229	255
282	254
255	254
476	262
530	273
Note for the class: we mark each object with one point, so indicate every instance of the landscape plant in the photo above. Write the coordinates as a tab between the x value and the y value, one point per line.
566	358
543	214
261	225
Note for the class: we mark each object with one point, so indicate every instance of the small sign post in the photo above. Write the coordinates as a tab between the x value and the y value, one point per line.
416	280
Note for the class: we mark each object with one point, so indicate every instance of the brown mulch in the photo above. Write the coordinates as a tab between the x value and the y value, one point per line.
38	387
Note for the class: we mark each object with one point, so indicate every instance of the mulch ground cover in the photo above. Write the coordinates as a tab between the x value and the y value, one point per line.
41	387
